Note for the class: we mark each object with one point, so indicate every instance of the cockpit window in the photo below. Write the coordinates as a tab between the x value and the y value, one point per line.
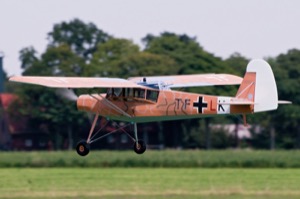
117	92
114	92
152	95
139	93
130	94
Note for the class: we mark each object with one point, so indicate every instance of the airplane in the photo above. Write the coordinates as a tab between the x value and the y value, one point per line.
147	99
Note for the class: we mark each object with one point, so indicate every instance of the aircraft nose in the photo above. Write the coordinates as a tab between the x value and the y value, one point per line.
86	103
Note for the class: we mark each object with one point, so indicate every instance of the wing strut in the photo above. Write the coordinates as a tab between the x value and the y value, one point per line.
111	105
93	127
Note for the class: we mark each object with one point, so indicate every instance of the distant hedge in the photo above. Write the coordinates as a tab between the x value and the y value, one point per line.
166	158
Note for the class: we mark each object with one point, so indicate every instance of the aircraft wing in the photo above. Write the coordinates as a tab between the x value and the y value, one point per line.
177	81
76	82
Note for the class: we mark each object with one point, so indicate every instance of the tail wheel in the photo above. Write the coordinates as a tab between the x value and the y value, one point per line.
83	148
139	147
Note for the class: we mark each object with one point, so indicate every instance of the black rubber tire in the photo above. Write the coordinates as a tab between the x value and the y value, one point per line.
140	148
83	148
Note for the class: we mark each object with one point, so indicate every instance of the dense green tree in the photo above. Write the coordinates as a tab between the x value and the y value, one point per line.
83	38
238	63
144	64
186	51
122	58
108	55
286	119
58	61
28	57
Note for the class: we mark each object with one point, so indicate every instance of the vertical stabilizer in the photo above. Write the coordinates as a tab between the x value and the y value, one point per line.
259	86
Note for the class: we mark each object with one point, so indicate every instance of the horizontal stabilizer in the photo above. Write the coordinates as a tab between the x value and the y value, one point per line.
250	102
284	102
237	102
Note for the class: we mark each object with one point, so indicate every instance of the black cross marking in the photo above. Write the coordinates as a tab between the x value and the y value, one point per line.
200	104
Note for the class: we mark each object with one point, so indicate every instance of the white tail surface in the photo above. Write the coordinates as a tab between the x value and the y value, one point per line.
265	96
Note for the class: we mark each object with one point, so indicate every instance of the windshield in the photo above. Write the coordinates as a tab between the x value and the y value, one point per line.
129	94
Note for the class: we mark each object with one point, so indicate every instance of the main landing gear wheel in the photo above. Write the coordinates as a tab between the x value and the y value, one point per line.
83	148
139	147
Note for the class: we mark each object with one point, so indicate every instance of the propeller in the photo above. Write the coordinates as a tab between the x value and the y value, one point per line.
65	93
69	94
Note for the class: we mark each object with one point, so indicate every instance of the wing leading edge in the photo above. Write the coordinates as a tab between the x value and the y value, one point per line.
76	82
175	81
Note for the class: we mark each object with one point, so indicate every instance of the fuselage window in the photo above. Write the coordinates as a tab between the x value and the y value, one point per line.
130	94
117	92
152	95
114	92
142	94
139	93
109	92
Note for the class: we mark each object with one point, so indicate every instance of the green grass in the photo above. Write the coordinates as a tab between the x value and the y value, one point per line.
157	159
88	183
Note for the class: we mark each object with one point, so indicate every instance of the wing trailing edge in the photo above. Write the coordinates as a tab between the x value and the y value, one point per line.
198	80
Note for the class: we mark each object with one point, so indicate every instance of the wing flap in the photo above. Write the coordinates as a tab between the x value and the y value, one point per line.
177	81
75	82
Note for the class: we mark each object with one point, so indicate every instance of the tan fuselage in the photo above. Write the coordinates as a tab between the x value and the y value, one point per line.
170	105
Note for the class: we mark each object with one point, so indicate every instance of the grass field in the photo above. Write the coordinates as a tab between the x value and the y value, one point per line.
157	159
88	183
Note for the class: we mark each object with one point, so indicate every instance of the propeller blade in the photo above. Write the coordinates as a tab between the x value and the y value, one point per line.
68	94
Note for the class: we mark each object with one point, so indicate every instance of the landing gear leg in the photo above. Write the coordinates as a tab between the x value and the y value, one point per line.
83	147
139	145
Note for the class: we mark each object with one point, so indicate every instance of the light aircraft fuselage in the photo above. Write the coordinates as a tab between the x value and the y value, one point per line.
147	105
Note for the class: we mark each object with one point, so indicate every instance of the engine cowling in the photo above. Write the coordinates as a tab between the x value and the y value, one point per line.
86	103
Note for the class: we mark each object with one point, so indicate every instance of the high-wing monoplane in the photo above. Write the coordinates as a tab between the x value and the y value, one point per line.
146	99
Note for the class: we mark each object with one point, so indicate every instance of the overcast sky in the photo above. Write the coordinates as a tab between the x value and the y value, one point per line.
254	28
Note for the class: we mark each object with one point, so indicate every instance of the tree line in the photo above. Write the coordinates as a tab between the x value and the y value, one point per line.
76	48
